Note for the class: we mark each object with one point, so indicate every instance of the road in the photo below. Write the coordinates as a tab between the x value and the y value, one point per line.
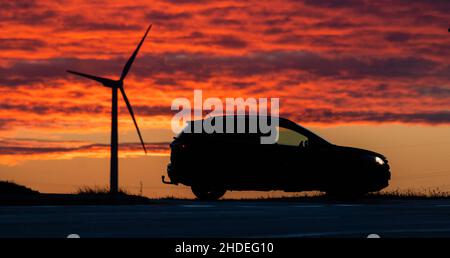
175	218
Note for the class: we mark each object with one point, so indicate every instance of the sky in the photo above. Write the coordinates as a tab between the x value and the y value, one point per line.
368	74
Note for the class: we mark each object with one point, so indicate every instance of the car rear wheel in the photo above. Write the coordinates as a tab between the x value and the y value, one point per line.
207	194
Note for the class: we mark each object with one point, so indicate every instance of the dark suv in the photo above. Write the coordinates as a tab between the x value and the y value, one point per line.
212	163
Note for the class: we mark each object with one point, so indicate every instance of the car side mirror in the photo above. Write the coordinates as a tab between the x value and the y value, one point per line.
304	144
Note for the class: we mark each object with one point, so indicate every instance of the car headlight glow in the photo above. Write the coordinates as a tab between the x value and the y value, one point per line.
379	160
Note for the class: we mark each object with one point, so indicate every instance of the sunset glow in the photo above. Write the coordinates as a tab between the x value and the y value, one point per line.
337	68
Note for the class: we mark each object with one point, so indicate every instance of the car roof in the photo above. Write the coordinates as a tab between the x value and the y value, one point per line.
282	122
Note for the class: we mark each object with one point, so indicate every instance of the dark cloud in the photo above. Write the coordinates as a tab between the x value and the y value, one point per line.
7	148
174	21
418	12
228	41
161	17
291	39
327	41
201	67
331	116
275	31
220	11
52	108
433	49
198	2
336	4
5	123
80	22
26	73
398	37
419	6
166	81
434	91
205	66
336	23
242	84
152	110
29	17
72	109
76	94
225	41
421	19
26	12
21	44
222	21
397	92
195	35
17	5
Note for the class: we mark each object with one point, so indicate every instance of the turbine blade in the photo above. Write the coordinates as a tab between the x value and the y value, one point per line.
130	109
130	61
104	81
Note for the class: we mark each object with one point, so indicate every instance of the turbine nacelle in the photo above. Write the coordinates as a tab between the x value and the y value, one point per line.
114	84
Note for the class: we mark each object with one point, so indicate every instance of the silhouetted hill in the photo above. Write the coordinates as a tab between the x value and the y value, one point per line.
14	194
11	188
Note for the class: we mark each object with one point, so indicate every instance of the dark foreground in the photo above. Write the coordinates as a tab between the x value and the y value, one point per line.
175	218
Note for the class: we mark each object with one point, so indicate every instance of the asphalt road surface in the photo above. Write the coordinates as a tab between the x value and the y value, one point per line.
387	218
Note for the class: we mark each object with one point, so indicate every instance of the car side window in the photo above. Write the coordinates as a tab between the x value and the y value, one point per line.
291	138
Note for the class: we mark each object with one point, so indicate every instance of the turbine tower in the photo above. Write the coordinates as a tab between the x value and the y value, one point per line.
116	85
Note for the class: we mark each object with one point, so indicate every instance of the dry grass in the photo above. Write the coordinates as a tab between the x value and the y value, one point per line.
100	190
429	193
397	194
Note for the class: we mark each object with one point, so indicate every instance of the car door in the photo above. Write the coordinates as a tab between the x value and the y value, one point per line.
295	159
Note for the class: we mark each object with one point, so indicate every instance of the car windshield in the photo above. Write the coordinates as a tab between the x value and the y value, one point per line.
301	133
290	137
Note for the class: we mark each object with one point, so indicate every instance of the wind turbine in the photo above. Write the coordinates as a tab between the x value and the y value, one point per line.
116	85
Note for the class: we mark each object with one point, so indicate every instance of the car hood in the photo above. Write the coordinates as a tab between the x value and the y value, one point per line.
357	151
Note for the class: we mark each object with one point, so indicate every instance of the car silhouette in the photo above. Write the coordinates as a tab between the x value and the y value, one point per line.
212	163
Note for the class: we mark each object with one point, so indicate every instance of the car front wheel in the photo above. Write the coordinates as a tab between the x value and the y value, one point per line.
207	194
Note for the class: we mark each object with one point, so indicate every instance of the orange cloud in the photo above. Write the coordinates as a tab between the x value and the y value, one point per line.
14	151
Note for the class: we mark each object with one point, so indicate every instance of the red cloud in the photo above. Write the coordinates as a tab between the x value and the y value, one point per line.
334	62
